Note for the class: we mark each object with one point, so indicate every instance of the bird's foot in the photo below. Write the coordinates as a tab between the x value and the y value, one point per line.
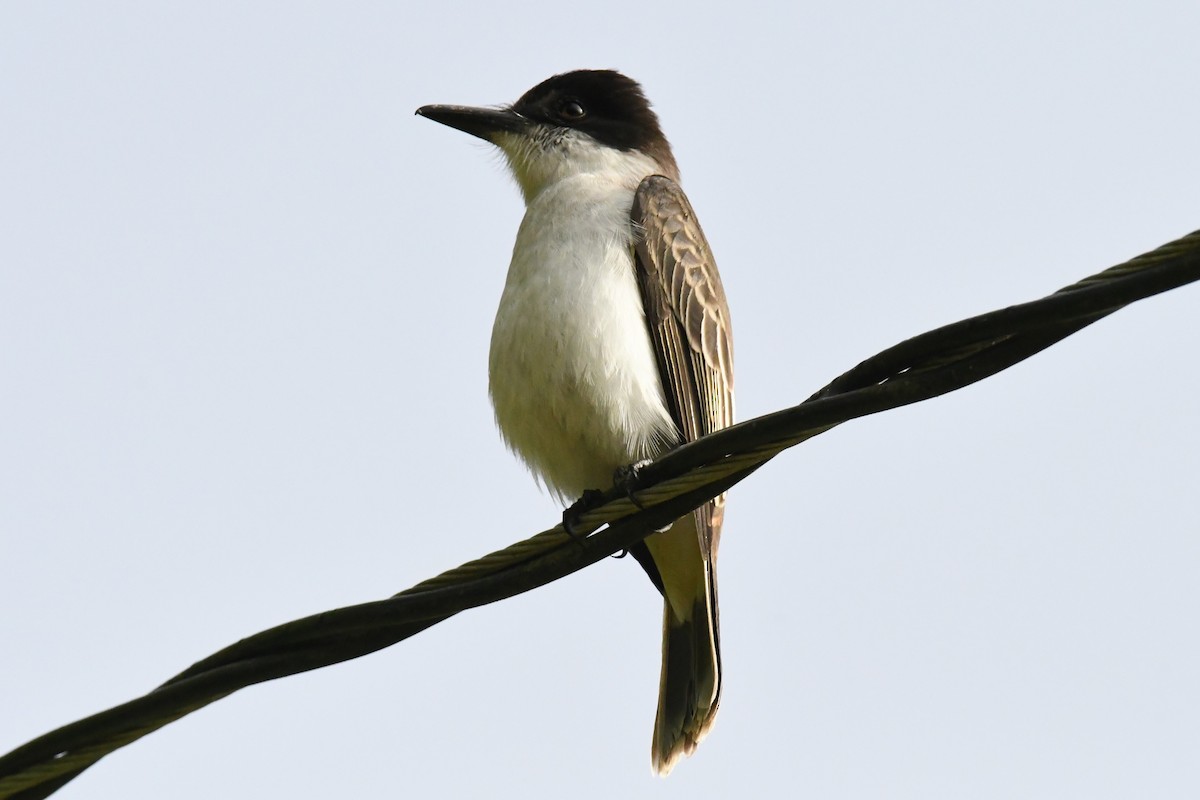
570	518
625	479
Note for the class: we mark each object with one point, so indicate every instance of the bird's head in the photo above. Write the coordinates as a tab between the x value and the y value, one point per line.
587	121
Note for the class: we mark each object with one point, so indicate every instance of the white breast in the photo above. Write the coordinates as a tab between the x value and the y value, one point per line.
573	378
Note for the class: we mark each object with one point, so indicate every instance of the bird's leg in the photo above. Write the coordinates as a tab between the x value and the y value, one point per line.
570	518
624	478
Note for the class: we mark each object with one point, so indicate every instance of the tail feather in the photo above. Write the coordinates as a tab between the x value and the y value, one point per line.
690	686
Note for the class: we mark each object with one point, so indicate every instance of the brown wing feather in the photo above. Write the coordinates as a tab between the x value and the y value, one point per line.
688	318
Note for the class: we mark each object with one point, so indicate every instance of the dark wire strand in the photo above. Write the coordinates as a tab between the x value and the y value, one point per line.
920	368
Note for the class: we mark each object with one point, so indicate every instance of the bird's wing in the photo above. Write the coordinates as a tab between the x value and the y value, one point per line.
687	315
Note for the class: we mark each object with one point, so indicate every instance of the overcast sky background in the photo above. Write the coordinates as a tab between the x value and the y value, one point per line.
245	303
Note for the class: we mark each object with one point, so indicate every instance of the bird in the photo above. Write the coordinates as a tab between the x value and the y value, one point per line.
612	343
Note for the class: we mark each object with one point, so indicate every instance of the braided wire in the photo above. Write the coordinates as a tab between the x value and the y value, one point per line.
925	366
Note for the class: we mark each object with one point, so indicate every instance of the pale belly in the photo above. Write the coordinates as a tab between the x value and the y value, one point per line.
573	378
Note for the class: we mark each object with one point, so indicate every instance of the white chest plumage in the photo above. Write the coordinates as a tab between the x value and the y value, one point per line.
573	379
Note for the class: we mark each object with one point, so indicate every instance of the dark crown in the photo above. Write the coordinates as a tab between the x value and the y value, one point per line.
606	105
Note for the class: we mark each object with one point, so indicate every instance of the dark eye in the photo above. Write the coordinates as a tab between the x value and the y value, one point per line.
571	109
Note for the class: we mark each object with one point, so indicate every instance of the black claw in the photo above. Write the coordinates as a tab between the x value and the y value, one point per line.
625	478
570	518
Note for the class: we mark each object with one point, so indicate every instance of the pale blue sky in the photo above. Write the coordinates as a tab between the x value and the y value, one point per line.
245	301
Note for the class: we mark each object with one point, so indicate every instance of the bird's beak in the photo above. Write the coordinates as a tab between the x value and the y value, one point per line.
482	122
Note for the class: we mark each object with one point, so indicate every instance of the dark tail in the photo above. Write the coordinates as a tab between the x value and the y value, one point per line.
690	687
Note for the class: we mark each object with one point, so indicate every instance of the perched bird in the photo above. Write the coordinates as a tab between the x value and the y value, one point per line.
612	342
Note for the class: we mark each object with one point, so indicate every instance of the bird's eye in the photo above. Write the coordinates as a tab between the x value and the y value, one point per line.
571	109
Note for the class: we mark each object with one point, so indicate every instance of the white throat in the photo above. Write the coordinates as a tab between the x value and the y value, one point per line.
555	154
